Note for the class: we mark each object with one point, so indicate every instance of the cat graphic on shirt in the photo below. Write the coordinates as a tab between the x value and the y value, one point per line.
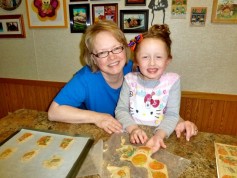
146	110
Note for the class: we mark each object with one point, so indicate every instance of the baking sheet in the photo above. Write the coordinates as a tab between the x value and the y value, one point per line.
72	157
93	162
175	164
226	160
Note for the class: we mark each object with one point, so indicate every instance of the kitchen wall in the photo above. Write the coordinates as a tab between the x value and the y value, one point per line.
205	57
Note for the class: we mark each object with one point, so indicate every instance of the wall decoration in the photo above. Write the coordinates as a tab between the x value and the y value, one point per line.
79	17
105	12
46	15
12	26
179	9
135	2
103	0
159	5
77	0
198	16
10	4
224	11
134	21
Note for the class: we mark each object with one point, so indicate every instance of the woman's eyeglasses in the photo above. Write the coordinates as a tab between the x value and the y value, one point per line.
104	54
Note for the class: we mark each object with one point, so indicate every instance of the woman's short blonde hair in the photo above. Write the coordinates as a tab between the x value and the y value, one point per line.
87	42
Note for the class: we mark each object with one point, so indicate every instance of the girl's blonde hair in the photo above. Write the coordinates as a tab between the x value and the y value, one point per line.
87	42
156	31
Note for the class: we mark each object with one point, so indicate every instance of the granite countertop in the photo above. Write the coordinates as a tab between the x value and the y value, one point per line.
199	150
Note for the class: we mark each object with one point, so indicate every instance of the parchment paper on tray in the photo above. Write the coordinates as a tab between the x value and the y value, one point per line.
70	159
175	164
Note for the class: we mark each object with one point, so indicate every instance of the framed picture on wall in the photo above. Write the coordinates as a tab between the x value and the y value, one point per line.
46	16
77	0
224	11
79	17
134	21
198	16
10	4
12	26
135	2
103	0
104	12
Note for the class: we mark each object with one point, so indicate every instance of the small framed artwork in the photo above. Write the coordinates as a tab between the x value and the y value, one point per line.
77	0
12	26
134	21
179	9
10	4
42	15
79	17
224	11
135	2
198	16
104	12
103	0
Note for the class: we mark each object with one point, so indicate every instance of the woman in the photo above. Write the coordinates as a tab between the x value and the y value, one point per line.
92	94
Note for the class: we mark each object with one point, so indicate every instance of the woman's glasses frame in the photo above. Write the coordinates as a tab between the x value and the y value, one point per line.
105	54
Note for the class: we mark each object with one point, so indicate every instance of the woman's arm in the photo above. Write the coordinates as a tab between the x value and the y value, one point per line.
69	114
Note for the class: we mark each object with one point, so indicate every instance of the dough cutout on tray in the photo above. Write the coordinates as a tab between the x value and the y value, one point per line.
44	141
53	163
29	155
25	137
7	153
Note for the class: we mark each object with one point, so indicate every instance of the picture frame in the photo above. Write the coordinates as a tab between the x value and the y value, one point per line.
198	16
103	0
10	4
135	2
55	17
134	21
105	11
224	12
12	26
79	17
178	9
78	0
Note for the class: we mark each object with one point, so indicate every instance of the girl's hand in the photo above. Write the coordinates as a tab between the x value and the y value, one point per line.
155	143
109	124
137	135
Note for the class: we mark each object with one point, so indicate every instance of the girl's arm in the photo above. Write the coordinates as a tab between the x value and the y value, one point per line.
171	116
122	113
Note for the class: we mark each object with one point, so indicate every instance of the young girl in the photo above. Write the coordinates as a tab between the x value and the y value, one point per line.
151	96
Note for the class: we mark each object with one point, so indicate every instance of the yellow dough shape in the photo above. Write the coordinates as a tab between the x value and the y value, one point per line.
44	141
53	163
7	153
25	137
29	155
66	143
141	157
119	172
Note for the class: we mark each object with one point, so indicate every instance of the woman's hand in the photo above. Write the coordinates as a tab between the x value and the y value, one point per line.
109	124
188	127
